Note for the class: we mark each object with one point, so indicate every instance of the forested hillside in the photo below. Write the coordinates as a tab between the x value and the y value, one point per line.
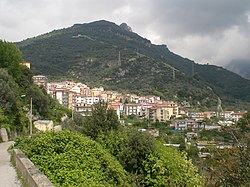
102	53
16	92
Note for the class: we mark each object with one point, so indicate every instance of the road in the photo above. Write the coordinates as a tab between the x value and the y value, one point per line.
8	175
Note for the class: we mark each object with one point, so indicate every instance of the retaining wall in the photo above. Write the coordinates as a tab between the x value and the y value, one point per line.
31	175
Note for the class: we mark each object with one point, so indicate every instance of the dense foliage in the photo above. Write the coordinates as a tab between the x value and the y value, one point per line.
167	167
148	161
100	121
229	163
69	159
90	53
16	91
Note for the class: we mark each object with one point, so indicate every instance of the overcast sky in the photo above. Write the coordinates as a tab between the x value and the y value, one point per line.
207	31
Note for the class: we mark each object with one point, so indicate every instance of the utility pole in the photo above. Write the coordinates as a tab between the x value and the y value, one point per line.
72	110
30	116
173	73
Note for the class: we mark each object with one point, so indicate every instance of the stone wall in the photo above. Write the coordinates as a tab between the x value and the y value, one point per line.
4	135
32	176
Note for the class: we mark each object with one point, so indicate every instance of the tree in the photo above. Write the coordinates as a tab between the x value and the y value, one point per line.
168	167
8	92
231	166
139	146
100	121
10	57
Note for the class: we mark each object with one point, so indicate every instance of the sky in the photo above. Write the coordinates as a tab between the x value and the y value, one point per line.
206	31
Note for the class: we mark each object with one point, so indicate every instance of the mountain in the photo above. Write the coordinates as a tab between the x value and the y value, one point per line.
103	53
241	67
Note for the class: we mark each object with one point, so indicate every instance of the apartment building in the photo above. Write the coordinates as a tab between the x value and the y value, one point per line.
40	80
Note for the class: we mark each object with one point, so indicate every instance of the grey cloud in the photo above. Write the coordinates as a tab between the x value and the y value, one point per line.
213	31
201	16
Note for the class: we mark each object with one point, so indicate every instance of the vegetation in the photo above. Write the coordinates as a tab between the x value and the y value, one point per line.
100	121
148	161
167	167
69	159
231	166
89	53
17	89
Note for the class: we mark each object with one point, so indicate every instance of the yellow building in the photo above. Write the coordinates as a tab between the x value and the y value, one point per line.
27	64
44	125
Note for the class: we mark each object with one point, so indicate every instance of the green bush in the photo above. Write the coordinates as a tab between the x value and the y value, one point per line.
70	159
168	167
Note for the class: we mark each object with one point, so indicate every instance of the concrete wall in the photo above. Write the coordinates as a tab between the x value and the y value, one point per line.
32	176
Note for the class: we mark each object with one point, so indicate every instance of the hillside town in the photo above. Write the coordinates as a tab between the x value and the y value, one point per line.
80	97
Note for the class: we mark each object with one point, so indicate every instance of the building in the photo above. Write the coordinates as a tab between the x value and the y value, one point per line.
118	107
185	124
226	115
44	125
41	81
237	115
62	95
27	64
132	109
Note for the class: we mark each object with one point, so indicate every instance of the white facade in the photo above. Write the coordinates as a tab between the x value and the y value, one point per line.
87	100
76	89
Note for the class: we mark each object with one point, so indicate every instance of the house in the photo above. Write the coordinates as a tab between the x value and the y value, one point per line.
185	124
226	115
44	125
149	99
76	89
212	127
97	91
191	135
207	114
180	125
204	144
62	95
158	113
40	80
170	144
27	64
194	114
132	109
237	115
118	107
83	109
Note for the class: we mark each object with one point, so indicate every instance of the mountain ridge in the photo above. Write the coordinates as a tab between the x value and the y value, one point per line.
102	53
241	67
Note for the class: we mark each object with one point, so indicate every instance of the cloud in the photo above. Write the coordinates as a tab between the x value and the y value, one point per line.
206	31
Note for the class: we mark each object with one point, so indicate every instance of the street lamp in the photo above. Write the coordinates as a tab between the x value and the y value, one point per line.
30	117
30	114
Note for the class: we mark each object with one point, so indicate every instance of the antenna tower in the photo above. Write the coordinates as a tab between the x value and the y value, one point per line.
119	59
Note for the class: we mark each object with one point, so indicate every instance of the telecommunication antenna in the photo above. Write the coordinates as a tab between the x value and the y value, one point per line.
173	73
192	69
219	108
119	59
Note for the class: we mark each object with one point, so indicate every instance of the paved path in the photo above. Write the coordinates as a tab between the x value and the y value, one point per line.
8	176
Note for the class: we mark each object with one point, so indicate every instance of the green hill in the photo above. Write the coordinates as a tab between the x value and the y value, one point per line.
90	53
